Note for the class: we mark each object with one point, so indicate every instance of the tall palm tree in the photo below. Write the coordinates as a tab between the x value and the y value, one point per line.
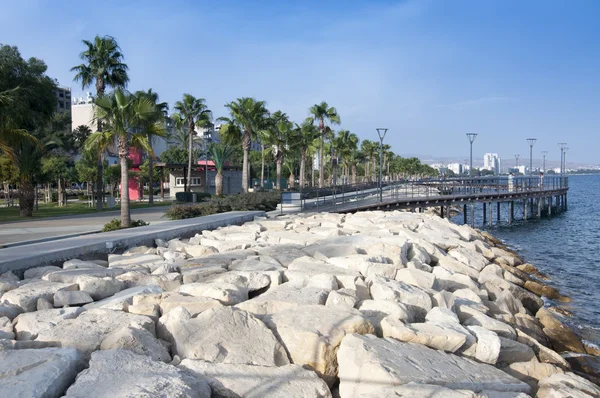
191	111
103	65
124	112
346	144
153	128
247	116
220	154
369	149
322	113
281	136
98	142
306	134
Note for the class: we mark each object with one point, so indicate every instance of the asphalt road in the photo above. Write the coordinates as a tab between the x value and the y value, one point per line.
46	228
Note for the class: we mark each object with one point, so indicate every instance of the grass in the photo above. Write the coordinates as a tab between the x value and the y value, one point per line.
8	214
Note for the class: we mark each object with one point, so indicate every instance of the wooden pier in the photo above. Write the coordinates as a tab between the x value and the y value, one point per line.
536	196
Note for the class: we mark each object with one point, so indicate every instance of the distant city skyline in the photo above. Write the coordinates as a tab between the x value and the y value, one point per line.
430	71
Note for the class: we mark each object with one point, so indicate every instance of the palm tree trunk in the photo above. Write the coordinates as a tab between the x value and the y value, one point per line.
246	147
312	171
162	184
99	188
279	160
150	177
353	173
59	193
262	167
291	181
302	167
219	183
123	152
26	197
187	183
321	168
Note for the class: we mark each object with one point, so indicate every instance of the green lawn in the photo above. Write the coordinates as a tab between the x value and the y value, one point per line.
8	214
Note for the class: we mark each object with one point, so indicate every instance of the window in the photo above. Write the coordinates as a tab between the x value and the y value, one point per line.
194	181
61	104
61	94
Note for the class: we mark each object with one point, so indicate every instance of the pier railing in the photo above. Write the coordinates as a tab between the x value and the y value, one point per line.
358	195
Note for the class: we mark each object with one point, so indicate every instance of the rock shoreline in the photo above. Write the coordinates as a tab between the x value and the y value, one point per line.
373	304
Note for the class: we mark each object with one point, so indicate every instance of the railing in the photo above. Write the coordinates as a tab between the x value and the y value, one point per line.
354	196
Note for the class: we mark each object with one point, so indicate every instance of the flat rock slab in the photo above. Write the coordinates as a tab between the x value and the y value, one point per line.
26	296
121	373
28	325
420	390
221	335
194	305
282	298
119	300
44	372
70	275
367	363
90	328
232	381
312	334
67	298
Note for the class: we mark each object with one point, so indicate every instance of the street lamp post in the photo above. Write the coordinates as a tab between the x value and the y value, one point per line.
531	142
381	132
517	156
471	137
544	153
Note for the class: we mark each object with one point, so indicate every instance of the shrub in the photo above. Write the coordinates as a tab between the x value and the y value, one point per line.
188	197
265	201
115	225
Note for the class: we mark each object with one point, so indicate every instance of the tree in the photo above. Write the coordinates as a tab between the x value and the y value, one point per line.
220	154
191	111
247	116
151	129
80	135
346	144
306	134
322	113
123	112
174	155
282	137
103	66
8	176
370	150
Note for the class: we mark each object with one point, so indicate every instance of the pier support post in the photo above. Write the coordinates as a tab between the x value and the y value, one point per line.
511	212
565	195
549	206
472	215
498	213
484	213
465	214
442	211
491	220
525	209
539	202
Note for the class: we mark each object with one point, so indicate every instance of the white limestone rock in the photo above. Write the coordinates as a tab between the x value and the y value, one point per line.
322	281
221	335
443	299
415	277
311	335
71	298
442	315
139	261
8	276
473	317
199	250
6	329
234	380
28	325
90	328
345	298
151	310
43	372
38	272
488	345
137	340
194	305
532	372
412	390
122	373
119	301
26	296
512	351
376	310
428	334
566	385
99	288
10	311
367	363
469	257
254	265
415	298
226	293
76	263
283	298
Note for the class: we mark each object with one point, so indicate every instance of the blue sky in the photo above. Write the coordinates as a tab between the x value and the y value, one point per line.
429	70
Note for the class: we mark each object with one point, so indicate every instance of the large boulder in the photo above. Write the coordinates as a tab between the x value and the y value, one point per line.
311	334
367	363
120	300
42	372
512	351
122	373
283	298
26	296
531	372
226	293
562	337
234	380
71	298
488	345
423	390
90	328
99	288
428	334
416	299
137	340
566	385
194	305
70	275
28	325
221	335
376	310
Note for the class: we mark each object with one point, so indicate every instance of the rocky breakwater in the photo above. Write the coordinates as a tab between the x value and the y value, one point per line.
367	305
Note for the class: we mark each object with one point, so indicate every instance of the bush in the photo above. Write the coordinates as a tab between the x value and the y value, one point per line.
115	225
188	197
265	201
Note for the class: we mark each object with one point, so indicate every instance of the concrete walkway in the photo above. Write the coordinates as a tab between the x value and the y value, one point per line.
19	258
56	227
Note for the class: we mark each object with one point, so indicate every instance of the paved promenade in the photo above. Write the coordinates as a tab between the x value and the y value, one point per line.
45	228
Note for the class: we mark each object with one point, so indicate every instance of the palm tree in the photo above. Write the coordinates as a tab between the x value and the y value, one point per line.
321	114
369	149
97	143
281	135
220	154
103	65
123	112
247	117
192	111
305	137
346	144
151	129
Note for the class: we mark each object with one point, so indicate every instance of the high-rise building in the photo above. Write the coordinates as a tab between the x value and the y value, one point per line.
63	99
491	161
456	168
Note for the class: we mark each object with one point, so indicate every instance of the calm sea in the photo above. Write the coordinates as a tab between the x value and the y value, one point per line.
566	247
